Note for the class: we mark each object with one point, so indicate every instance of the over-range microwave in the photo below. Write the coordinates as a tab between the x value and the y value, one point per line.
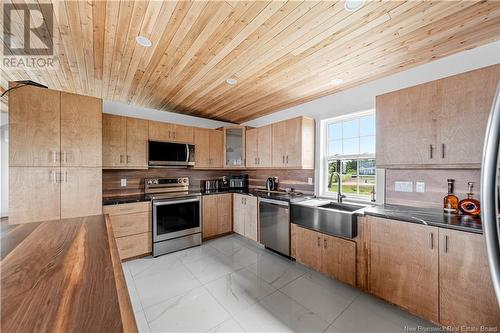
170	154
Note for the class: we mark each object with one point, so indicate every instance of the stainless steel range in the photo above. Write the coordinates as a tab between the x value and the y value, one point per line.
176	214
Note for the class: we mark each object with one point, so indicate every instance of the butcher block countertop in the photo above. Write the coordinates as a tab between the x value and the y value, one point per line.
63	276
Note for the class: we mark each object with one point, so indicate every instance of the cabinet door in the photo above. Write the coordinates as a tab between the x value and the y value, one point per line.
466	105
407	126
131	224
81	131
202	147
293	156
238	214
466	295
114	140
279	144
160	131
34	127
250	214
234	147
137	143
252	151
404	265
34	194
338	259
308	247
81	192
265	157
216	149
225	213
183	134
210	223
134	245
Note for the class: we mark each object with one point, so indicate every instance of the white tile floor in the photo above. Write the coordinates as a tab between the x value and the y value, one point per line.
233	285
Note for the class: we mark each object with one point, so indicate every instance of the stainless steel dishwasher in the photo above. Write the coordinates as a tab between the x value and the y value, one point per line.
275	225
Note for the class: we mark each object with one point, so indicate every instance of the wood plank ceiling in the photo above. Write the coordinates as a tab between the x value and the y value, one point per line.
282	53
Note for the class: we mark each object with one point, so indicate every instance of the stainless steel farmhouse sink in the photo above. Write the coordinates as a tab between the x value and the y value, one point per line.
338	219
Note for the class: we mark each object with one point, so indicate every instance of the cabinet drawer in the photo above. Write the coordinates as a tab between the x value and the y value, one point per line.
131	224
130	208
135	245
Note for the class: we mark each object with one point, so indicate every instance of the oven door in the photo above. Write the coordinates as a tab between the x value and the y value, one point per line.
174	218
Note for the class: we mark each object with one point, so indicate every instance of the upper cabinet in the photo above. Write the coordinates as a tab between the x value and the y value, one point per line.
293	143
159	131
258	147
439	123
209	144
125	142
234	144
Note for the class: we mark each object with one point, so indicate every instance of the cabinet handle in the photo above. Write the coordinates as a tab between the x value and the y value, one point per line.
443	147
283	159
64	157
431	240
169	134
255	160
121	159
446	243
431	151
319	240
324	243
175	135
128	159
54	156
286	159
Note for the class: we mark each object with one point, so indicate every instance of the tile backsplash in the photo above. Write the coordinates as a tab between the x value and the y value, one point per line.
435	185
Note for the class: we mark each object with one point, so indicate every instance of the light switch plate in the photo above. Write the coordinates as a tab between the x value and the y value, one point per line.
123	182
309	181
403	186
420	187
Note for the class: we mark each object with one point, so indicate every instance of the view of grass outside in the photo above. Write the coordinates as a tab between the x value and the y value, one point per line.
358	176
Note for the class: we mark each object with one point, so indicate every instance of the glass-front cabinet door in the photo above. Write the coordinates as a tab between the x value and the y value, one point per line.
234	140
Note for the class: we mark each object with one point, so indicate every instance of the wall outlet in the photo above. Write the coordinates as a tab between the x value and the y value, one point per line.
403	186
420	187
310	181
123	182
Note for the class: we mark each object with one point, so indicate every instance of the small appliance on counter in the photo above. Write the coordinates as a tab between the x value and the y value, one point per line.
210	185
272	184
238	182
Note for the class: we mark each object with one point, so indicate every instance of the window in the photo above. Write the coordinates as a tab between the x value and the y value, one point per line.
349	156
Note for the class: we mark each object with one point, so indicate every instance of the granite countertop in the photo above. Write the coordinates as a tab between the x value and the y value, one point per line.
65	276
428	216
124	199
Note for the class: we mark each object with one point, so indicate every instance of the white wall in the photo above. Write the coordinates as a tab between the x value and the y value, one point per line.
362	98
4	166
122	109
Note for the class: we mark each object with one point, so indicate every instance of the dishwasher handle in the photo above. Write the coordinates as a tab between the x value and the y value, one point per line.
275	202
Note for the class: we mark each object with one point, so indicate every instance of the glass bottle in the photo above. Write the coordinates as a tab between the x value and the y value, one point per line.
450	202
469	205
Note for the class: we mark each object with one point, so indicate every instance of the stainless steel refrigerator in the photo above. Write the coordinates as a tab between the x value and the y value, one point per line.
490	192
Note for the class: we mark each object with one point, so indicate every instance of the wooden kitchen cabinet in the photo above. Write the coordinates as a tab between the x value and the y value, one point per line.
166	132
81	192
217	215
125	142
404	265
131	224
293	143
81	131
333	256
245	208
209	145
466	295
234	147
436	124
258	147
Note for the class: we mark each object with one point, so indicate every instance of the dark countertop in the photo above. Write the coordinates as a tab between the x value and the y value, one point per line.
63	276
429	216
124	199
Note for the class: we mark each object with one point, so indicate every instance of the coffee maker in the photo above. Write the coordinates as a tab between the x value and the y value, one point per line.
272	184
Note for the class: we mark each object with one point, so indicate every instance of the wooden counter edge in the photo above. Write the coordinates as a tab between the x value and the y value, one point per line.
126	311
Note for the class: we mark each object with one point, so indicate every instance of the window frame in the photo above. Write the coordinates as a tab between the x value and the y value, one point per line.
325	158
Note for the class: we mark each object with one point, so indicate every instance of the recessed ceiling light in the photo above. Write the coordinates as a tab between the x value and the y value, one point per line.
231	81
336	82
143	41
353	5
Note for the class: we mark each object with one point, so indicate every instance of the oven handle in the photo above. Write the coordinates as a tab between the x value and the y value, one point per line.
173	202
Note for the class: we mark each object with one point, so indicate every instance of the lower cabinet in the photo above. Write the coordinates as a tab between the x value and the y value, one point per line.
245	209
217	215
131	227
466	296
404	265
330	255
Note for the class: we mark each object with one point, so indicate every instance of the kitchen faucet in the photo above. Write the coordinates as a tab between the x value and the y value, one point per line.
340	196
